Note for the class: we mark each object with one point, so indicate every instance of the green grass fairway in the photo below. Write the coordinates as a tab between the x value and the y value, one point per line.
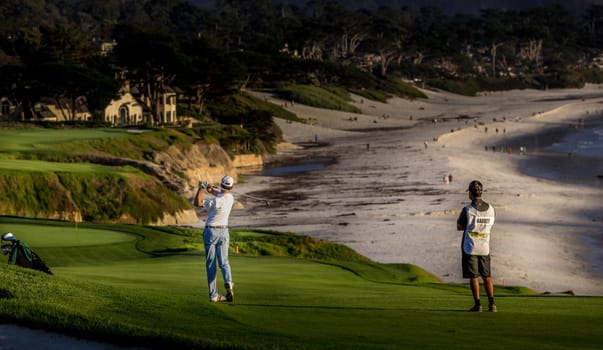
20	140
43	166
133	291
42	140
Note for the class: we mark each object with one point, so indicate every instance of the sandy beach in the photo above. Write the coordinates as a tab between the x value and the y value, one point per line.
383	194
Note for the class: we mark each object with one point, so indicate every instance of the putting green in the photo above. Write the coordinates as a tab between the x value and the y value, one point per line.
38	139
64	236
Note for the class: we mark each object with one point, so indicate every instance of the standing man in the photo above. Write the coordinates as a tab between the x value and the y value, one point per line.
216	238
476	221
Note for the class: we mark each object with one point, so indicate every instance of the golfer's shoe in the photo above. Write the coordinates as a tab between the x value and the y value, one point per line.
217	299
476	308
492	308
229	292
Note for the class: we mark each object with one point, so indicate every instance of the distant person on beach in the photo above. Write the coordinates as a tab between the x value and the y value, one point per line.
476	221
216	238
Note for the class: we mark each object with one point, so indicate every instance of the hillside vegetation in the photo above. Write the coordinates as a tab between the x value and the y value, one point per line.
51	174
68	172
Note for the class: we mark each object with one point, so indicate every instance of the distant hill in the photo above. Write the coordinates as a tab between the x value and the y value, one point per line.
448	6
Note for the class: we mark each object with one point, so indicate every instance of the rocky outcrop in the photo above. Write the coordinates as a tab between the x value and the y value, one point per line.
248	161
185	167
180	168
179	218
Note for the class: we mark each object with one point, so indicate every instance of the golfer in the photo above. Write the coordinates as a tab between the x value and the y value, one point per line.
476	221
216	238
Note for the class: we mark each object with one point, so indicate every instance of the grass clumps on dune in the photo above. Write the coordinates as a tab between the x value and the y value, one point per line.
317	97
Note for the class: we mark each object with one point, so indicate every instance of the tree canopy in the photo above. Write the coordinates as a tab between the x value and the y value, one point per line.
52	47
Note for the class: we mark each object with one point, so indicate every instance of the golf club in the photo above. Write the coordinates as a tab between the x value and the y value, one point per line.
266	202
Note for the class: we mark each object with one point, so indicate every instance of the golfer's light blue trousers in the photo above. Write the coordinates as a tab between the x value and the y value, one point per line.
216	242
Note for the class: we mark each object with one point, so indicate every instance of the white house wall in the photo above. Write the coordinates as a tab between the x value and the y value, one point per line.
168	108
114	113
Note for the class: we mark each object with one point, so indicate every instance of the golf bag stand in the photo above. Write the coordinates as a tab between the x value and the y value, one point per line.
20	254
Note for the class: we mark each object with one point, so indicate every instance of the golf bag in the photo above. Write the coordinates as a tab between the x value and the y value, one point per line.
20	254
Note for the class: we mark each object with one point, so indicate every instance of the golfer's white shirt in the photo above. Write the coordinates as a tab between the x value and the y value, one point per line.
219	209
476	240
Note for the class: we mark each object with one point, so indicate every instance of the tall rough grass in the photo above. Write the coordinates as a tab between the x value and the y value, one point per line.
107	197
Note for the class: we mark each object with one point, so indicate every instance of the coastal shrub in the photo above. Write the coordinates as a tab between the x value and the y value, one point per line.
593	76
316	97
184	110
466	88
371	94
501	84
396	86
558	80
245	124
230	107
338	91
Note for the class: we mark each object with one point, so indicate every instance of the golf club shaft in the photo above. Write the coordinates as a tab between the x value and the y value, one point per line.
251	197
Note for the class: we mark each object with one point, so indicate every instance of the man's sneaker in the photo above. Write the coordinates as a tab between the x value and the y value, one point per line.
476	308
229	292
492	308
217	299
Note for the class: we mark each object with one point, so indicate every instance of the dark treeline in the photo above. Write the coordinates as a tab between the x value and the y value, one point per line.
53	47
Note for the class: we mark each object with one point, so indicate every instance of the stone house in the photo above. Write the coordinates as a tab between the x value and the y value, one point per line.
133	108
127	110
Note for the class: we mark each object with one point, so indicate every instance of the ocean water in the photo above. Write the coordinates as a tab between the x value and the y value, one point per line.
584	141
567	154
572	155
296	167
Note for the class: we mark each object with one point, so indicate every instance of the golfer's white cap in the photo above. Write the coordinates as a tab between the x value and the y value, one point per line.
227	182
8	236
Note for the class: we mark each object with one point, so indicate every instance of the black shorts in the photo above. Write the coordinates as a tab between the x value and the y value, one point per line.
476	265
